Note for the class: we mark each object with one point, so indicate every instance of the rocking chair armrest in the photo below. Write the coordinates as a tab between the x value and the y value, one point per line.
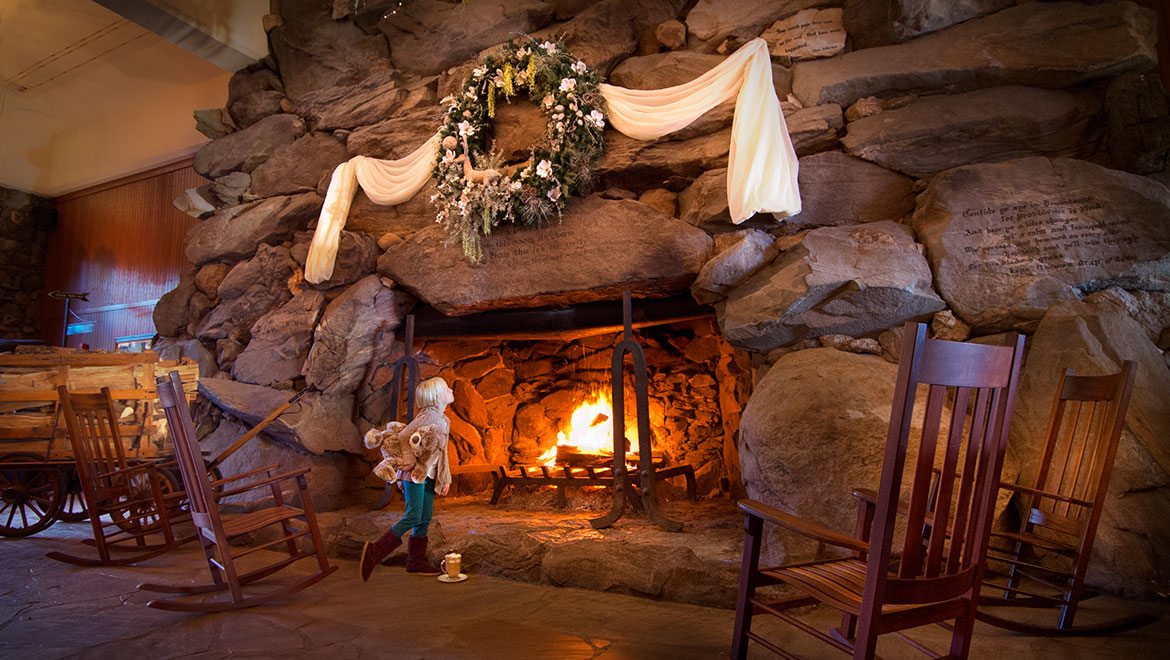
870	497
249	473
131	469
264	482
801	526
1043	493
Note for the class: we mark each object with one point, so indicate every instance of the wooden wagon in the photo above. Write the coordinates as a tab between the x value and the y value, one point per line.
38	483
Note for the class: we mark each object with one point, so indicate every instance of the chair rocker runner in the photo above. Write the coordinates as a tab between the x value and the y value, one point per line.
140	506
889	584
1064	506
216	529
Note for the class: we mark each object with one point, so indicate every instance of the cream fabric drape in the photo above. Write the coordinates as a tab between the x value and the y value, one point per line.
386	182
761	169
762	165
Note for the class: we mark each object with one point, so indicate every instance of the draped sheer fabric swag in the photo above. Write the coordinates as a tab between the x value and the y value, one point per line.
761	170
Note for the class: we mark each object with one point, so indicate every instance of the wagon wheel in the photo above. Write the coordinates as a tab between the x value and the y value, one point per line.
29	497
131	519
73	505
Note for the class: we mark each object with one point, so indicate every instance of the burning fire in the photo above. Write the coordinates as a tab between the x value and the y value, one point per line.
590	429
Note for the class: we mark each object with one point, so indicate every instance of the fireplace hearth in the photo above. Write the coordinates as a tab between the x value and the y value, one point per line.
533	409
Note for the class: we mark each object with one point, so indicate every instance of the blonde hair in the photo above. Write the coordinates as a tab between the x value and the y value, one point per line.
428	392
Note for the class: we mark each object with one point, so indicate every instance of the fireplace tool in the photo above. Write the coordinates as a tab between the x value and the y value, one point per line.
408	363
647	475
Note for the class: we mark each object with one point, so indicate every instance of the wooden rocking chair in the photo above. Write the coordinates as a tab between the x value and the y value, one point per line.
1064	506
934	578
216	530
138	502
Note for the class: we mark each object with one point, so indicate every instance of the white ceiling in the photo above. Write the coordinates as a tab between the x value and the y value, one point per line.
87	95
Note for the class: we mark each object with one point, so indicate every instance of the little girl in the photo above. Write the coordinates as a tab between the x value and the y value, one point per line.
418	453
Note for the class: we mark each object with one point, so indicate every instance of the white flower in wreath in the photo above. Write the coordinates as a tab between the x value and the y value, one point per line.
554	194
567	84
548	100
449	156
579	67
465	128
597	119
478	72
549	46
544	169
522	51
515	185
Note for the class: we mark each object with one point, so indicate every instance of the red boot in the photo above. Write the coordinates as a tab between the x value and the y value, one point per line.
416	557
373	553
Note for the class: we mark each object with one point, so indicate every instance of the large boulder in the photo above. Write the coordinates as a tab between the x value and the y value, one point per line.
704	205
349	106
838	189
350	331
619	245
639	165
1139	123
849	280
318	424
815	129
316	52
357	256
1042	44
807	35
246	149
678	67
894	21
254	94
334	478
234	233
710	22
813	430
170	312
280	341
937	133
396	137
250	290
1007	241
430	36
298	167
611	30
740	258
1132	549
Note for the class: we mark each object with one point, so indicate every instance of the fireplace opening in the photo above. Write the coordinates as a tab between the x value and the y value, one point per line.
539	402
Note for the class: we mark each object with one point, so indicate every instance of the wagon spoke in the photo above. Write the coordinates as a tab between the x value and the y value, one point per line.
10	515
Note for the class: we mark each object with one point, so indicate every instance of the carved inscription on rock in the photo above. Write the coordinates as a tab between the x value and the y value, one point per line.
1047	237
1008	240
808	34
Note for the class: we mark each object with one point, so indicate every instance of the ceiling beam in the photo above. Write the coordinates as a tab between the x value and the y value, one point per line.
209	36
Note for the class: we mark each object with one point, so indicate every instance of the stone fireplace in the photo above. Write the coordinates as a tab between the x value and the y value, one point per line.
952	170
520	395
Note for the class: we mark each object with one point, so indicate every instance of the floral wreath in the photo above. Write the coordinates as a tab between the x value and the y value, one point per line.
471	201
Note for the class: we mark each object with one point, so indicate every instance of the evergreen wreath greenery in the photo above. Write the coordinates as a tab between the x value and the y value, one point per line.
474	192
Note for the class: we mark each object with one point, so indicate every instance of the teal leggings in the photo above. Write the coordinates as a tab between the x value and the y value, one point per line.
420	504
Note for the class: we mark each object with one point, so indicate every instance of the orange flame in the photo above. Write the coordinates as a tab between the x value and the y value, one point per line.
590	429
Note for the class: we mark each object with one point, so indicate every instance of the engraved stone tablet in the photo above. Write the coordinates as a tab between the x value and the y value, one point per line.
808	34
1009	240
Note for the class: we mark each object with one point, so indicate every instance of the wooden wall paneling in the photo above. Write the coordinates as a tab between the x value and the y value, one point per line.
123	243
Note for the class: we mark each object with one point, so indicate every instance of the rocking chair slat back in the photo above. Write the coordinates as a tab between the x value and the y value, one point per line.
187	453
1065	501
946	518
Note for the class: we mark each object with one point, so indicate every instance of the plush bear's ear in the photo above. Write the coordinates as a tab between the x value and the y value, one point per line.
373	438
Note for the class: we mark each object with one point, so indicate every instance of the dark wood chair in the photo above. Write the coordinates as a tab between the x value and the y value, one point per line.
216	530
132	507
891	582
1063	507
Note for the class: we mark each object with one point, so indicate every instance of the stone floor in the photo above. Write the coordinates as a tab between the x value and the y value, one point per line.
50	610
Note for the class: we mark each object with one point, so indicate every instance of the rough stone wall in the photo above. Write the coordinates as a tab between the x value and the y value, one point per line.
973	164
25	222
